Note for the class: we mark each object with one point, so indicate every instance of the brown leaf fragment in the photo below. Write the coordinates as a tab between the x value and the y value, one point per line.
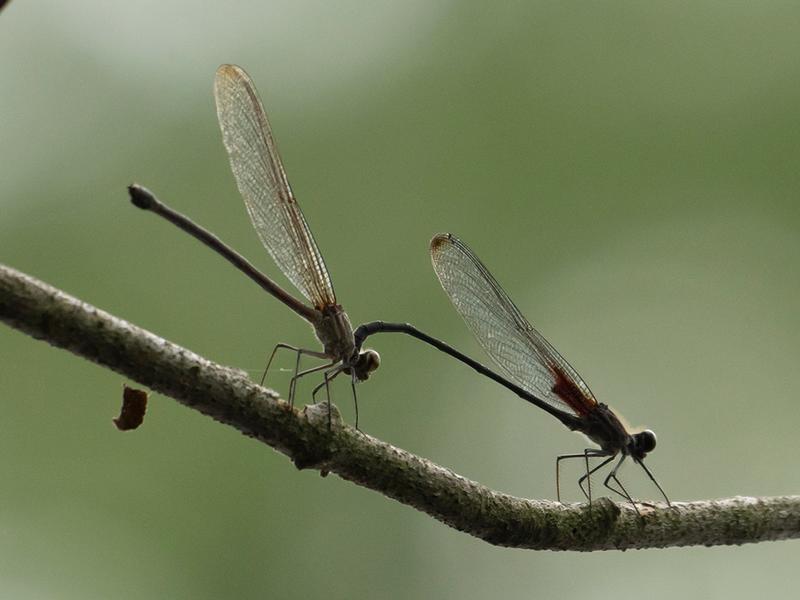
134	405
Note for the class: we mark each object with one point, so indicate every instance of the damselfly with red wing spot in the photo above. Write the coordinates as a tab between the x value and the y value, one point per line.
528	359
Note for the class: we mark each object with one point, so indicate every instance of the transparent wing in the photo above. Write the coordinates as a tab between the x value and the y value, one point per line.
508	338
259	174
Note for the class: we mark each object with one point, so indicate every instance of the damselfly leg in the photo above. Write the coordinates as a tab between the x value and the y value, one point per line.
299	352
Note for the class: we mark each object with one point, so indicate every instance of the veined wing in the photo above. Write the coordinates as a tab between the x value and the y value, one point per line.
262	181
509	339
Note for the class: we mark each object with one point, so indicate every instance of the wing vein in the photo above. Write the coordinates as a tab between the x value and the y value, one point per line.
262	182
517	348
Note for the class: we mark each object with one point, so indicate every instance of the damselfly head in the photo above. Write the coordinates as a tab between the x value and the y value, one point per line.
367	361
642	443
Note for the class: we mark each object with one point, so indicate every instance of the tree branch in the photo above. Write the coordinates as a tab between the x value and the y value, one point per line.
231	398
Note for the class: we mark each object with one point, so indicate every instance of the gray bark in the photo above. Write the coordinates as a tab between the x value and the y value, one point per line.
228	396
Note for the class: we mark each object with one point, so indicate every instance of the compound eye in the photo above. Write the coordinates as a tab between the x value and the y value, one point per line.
646	441
372	360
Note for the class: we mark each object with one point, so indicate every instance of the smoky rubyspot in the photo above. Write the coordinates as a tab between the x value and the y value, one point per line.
528	359
284	232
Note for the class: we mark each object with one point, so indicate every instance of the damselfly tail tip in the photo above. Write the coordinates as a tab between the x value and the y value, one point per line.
141	197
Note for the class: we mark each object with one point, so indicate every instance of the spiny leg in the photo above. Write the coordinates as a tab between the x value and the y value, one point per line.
327	378
299	352
588	475
589	452
355	397
293	382
558	474
653	479
272	356
621	491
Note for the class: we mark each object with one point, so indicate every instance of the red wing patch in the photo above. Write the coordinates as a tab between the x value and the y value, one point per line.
566	389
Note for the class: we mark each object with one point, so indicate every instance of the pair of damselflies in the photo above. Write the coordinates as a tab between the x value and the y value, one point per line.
534	370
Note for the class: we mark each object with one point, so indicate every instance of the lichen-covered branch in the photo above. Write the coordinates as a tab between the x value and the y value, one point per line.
231	398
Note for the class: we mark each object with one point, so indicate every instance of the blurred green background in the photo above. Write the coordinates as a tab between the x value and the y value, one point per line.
629	172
